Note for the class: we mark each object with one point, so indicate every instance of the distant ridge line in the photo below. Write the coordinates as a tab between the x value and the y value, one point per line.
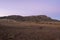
36	18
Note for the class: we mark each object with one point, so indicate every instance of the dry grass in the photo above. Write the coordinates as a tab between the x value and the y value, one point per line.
13	30
9	22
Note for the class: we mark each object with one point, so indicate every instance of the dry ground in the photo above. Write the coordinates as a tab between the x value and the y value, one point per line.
12	30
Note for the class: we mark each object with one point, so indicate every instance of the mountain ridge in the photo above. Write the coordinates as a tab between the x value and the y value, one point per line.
36	18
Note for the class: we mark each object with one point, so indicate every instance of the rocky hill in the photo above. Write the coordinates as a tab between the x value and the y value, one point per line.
37	18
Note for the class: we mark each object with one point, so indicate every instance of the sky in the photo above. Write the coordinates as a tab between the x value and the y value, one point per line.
50	8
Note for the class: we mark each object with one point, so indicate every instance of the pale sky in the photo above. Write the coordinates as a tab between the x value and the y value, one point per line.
50	8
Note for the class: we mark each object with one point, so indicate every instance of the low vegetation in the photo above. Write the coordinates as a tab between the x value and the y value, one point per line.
29	28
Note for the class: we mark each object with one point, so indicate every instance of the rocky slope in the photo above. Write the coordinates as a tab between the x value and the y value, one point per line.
37	18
